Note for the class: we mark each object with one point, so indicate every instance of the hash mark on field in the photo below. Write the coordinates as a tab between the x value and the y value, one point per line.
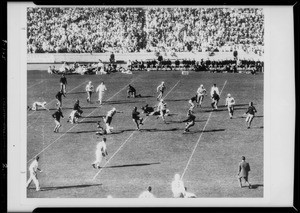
188	163
77	124
55	99
128	138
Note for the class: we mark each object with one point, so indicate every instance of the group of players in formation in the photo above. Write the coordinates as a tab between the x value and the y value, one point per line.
160	110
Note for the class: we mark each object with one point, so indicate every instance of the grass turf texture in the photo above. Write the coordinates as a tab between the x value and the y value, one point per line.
153	155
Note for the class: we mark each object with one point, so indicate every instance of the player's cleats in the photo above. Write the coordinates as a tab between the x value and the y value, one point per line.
94	166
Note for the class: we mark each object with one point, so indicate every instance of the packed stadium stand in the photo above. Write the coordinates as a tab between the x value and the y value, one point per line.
147	29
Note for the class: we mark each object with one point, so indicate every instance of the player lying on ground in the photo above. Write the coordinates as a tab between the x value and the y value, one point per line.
36	105
150	110
136	118
190	121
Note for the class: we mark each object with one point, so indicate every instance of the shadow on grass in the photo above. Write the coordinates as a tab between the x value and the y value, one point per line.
129	165
87	122
175	100
99	116
87	131
160	130
121	102
68	187
75	92
255	186
212	130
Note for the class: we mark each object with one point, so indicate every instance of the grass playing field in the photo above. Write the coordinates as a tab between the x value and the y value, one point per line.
207	156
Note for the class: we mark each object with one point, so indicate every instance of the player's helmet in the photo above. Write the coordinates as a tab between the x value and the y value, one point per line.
229	95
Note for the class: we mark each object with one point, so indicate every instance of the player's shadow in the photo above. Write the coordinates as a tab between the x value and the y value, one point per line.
119	132
92	107
160	130
146	96
86	131
241	104
121	102
75	92
175	100
87	122
255	186
100	116
132	165
68	187
211	130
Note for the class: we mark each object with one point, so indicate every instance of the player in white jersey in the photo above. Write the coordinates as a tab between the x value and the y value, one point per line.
178	187
101	88
33	168
230	102
108	119
201	91
162	108
147	193
89	89
37	104
161	89
101	152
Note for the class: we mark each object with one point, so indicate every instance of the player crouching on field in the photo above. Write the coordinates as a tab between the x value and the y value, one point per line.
131	92
190	121
76	113
36	105
108	119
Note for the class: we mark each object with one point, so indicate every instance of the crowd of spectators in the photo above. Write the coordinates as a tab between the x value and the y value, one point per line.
124	29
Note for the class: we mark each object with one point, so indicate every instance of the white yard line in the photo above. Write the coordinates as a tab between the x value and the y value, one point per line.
77	124
122	145
188	163
36	84
55	98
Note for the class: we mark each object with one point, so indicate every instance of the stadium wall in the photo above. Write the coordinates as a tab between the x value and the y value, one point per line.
48	58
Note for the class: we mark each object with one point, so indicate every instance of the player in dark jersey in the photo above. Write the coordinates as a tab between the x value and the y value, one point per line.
63	83
59	98
131	92
149	110
215	99
57	115
190	121
191	102
250	114
136	118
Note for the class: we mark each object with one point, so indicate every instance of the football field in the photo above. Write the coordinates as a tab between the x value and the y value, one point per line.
207	157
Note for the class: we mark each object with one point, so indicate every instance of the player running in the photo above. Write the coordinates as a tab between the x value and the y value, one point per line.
215	99
161	88
200	95
250	114
101	152
63	83
191	103
57	115
101	88
136	118
230	102
59	98
108	119
162	108
215	96
76	113
89	89
36	105
190	121
33	168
